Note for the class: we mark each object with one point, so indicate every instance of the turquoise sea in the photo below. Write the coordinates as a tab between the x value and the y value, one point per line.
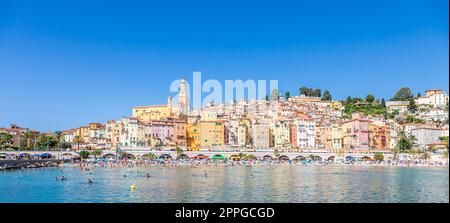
228	184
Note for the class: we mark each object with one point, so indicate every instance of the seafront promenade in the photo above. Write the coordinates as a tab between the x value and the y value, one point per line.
133	153
19	164
21	159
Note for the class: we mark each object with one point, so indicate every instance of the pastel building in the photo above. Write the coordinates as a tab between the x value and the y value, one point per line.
281	134
356	132
132	134
153	112
193	137
433	97
399	106
333	137
306	133
426	135
212	134
261	135
114	129
162	133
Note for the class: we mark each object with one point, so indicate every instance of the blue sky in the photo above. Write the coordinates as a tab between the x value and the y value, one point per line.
66	63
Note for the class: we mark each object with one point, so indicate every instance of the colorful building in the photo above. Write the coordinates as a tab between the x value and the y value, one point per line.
355	132
212	134
193	137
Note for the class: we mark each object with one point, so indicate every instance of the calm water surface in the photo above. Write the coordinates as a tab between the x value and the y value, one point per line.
228	184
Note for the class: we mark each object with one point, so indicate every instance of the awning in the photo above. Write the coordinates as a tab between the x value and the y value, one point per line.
218	157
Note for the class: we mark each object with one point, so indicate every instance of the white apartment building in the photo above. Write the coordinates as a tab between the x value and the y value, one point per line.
306	133
426	135
433	97
261	135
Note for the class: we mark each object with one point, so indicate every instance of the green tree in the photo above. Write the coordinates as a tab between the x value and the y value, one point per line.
59	137
28	136
445	140
5	140
349	100
378	157
412	107
179	151
425	155
150	156
96	153
404	94
287	95
419	95
45	142
84	154
326	96
78	139
123	155
370	98
404	144
276	153
317	93
383	103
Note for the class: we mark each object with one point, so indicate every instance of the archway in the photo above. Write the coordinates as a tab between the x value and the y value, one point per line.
3	155
299	158
165	156
283	158
250	157
235	157
130	156
67	156
267	157
182	157
109	156
366	158
200	157
218	157
349	158
331	158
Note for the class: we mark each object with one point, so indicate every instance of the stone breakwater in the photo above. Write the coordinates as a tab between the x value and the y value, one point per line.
22	164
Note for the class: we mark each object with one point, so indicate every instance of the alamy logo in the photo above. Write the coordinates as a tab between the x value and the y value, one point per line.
212	91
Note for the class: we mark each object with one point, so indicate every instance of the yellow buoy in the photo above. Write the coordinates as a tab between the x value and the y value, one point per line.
132	187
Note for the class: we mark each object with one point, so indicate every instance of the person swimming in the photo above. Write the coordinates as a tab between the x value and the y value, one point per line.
90	181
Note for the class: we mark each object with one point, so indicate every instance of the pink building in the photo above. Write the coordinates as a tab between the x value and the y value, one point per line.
162	133
356	132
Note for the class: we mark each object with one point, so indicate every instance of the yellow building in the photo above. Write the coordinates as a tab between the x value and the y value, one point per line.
334	137
212	134
83	132
336	105
153	112
193	137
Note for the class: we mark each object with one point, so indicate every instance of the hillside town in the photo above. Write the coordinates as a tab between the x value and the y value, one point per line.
310	121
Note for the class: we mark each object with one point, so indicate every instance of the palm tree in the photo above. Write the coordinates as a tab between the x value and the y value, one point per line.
28	135
59	137
96	153
5	140
276	153
84	154
179	151
78	140
150	156
425	155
